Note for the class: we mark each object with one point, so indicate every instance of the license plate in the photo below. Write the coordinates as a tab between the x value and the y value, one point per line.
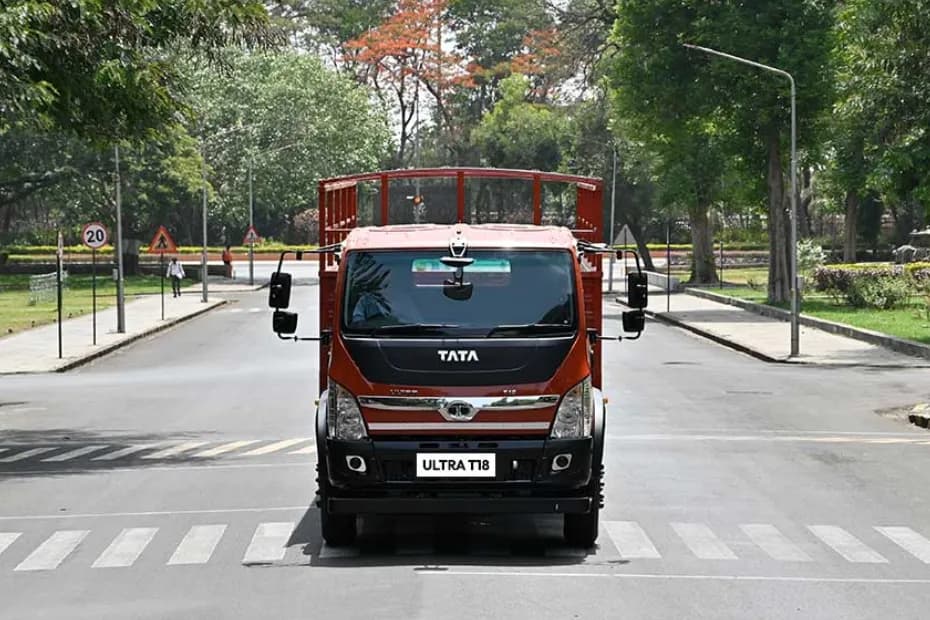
456	465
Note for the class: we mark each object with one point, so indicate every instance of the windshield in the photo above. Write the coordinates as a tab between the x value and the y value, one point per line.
502	293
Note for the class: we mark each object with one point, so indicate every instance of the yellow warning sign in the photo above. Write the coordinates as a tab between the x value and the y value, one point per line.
162	243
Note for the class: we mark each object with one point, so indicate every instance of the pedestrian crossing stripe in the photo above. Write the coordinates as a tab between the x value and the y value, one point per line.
153	451
627	540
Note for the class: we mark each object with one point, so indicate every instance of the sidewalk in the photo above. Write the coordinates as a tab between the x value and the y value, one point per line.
769	338
36	350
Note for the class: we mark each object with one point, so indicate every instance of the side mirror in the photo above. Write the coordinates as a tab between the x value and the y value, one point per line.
284	323
634	321
279	290
637	290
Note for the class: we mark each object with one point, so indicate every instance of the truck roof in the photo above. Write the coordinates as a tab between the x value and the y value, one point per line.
416	236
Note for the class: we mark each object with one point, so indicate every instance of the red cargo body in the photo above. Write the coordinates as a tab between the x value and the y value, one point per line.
339	214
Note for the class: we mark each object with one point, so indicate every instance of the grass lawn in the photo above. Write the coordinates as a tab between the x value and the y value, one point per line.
17	315
910	322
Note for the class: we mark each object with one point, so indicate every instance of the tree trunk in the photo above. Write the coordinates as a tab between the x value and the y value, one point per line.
849	227
703	269
779	284
641	246
805	199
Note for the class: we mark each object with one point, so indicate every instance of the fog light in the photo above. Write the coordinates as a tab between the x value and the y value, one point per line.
561	462
356	464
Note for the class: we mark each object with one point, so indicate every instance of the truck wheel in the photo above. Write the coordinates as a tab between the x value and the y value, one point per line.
580	530
338	529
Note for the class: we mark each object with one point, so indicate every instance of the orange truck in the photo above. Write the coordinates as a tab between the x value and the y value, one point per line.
460	359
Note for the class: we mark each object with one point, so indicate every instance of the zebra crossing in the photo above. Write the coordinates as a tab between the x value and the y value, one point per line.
107	453
272	542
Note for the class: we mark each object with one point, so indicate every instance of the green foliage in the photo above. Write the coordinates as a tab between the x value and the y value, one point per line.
810	255
104	69
295	120
520	134
871	286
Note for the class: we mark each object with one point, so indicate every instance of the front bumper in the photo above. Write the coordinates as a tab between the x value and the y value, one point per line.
525	480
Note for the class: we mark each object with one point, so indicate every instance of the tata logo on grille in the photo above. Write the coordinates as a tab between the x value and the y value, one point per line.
458	355
458	411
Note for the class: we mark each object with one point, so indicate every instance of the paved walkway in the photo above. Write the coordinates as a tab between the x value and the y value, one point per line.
36	350
770	338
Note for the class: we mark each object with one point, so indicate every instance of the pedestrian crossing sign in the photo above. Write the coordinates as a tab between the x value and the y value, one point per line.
251	236
162	243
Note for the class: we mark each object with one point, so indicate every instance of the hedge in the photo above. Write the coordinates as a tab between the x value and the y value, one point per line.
44	250
879	285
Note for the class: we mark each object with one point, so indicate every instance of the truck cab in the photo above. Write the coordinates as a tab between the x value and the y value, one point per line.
460	364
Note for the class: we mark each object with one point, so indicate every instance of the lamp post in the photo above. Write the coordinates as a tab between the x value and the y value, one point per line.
793	253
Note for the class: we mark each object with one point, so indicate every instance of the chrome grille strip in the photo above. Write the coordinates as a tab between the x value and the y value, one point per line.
431	403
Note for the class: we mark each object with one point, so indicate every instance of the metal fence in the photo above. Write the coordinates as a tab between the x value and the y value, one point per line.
43	288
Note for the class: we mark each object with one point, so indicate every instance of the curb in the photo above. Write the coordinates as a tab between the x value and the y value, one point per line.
717	338
899	345
122	343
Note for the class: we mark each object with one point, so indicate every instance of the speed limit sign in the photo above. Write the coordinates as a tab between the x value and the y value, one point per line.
94	235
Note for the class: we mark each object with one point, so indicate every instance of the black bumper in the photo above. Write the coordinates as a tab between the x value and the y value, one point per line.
524	483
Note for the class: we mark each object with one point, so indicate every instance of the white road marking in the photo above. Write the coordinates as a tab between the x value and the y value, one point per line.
151	513
774	543
7	539
331	553
2	450
703	542
909	540
126	548
175	450
674	577
25	454
268	543
255	310
631	540
73	454
198	545
118	454
847	545
311	449
278	445
53	551
228	447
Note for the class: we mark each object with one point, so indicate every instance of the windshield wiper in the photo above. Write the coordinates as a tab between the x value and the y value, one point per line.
409	328
531	328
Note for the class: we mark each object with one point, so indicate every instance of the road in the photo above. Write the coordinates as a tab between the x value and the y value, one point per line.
174	479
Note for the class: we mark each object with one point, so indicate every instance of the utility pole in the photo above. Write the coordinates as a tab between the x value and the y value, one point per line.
203	256
120	291
793	250
251	224
613	208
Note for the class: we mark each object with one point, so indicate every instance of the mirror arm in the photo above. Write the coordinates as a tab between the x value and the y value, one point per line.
325	338
334	248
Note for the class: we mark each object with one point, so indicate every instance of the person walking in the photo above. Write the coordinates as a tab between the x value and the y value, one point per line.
175	274
227	261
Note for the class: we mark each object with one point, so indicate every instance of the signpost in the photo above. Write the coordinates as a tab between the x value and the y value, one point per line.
251	238
94	236
161	244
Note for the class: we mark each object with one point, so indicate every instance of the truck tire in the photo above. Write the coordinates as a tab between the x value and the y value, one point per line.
580	530
338	529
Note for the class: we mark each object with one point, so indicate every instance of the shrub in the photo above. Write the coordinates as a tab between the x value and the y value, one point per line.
882	293
810	255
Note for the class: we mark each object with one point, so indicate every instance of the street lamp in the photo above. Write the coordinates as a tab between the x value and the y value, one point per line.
795	293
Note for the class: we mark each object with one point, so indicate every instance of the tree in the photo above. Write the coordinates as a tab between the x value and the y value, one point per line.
793	35
104	69
297	121
667	111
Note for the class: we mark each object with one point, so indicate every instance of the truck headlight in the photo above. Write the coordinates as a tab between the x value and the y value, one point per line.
344	418
575	414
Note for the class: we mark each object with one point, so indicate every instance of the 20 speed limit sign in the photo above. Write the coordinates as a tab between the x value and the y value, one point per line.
94	235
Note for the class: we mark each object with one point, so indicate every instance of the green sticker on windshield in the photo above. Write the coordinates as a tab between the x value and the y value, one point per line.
483	265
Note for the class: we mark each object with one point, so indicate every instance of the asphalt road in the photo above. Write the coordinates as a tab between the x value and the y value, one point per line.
173	479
